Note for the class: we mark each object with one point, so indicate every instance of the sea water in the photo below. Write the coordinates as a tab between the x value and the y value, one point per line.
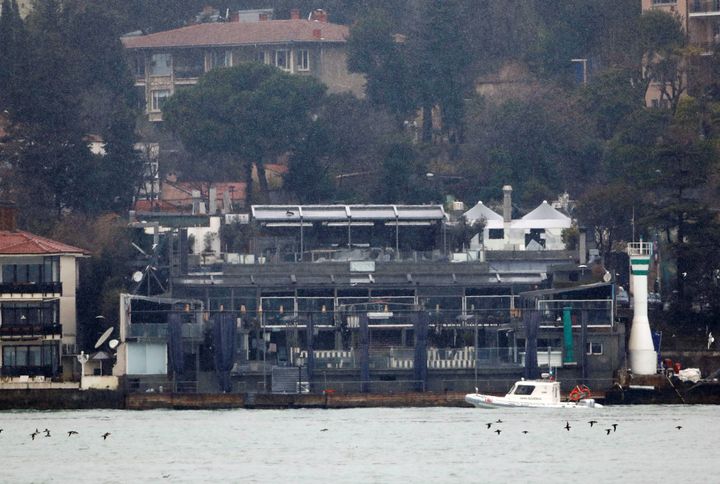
404	445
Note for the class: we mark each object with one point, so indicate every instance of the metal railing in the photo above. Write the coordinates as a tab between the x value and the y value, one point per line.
29	330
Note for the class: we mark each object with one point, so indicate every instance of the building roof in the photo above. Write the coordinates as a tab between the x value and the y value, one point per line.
544	216
241	33
545	212
18	242
292	214
493	220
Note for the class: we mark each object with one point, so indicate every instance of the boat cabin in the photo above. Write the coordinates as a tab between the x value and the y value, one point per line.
544	391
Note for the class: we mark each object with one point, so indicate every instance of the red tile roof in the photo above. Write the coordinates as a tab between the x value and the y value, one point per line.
241	33
18	242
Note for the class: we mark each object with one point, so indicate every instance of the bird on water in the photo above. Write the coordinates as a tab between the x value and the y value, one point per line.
567	426
72	432
614	426
105	435
498	431
679	427
489	424
592	422
608	431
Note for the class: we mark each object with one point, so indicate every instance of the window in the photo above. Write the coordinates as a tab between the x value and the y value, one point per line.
220	58
282	59
14	313
524	389
303	60
189	64
29	356
536	235
594	348
47	271
158	99
139	66
496	233
161	65
261	57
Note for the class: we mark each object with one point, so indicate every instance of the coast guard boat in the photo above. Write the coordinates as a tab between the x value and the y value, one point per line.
534	393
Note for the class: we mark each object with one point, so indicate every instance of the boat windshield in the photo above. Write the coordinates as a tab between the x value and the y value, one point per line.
524	389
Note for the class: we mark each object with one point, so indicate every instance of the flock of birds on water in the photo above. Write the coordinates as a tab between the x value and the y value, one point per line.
613	427
47	433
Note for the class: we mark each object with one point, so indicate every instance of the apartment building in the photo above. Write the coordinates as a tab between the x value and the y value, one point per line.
701	21
38	315
164	62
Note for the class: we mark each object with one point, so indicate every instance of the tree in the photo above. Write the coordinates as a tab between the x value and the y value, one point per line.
664	57
606	210
375	52
13	64
610	97
252	112
438	48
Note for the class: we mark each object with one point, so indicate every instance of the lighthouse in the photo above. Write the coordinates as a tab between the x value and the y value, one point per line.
643	358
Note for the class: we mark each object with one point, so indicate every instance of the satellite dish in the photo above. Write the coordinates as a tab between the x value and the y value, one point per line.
103	337
137	276
607	277
113	343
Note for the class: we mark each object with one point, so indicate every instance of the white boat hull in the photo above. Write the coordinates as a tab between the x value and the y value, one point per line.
489	401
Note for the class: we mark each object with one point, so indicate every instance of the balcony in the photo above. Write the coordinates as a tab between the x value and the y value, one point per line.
30	371
31	288
704	8
29	331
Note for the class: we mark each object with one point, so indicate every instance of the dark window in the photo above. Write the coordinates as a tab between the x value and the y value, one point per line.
29	356
140	66
496	233
47	271
189	64
13	313
524	389
536	235
594	348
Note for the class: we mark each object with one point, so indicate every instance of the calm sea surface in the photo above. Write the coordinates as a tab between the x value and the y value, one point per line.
364	445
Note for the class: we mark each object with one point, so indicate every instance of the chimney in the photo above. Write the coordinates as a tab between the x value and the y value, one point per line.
507	203
317	34
263	17
295	14
8	213
212	201
582	246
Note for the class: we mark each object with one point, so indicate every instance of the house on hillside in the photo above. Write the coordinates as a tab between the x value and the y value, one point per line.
166	61
38	313
540	229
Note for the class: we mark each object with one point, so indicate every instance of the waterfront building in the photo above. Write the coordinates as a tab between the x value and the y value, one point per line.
362	298
38	315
